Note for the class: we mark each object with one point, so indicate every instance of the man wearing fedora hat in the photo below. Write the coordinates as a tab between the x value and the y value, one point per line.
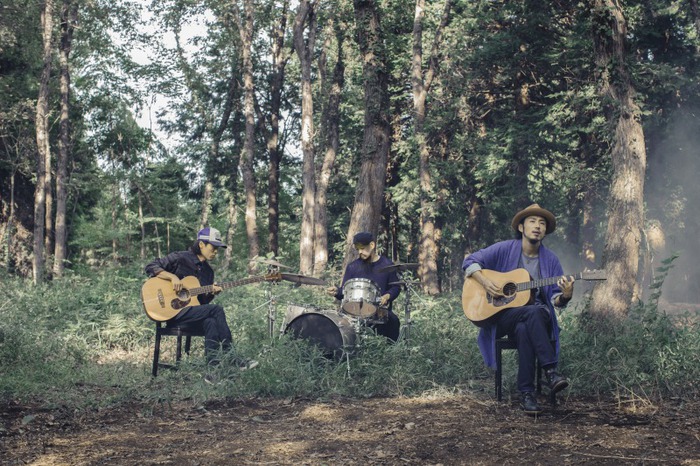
210	317
533	326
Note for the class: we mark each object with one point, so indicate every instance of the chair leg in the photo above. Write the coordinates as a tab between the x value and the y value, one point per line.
499	373
156	355
178	351
188	340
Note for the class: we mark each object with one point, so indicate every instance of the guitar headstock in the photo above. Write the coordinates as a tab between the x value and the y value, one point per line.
594	275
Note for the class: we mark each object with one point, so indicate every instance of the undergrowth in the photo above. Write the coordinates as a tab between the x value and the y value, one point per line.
85	341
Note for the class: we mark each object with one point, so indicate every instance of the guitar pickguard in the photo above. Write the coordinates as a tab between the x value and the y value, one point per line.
500	300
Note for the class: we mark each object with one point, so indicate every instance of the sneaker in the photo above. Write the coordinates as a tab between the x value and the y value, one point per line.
556	381
528	403
245	364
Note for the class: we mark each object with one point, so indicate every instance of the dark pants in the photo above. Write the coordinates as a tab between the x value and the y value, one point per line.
212	319
390	328
530	326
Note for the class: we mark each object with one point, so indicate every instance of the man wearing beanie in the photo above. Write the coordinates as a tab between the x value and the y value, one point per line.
367	266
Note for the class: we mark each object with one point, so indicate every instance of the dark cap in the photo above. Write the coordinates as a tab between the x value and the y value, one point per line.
212	236
364	237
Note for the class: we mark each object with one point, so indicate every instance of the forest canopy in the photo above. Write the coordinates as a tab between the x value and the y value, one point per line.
126	126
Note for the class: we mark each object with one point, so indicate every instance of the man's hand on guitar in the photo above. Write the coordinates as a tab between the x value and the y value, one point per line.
216	289
566	285
491	288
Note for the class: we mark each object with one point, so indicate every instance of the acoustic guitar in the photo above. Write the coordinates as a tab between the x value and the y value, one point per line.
162	303
516	286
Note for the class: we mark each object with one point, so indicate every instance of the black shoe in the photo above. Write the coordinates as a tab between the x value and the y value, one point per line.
528	403
556	381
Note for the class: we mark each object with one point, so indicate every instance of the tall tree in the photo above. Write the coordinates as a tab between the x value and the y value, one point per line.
625	205
43	144
304	44
245	20
331	131
280	56
376	141
69	16
420	83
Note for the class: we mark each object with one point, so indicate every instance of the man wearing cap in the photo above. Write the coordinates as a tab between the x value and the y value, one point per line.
533	326
211	317
367	266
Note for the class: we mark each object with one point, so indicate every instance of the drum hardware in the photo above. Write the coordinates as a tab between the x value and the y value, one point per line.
400	267
407	286
271	262
302	279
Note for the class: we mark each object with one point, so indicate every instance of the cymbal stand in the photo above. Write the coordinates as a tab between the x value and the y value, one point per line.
406	328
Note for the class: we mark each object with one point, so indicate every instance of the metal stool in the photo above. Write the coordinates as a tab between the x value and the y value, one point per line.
162	329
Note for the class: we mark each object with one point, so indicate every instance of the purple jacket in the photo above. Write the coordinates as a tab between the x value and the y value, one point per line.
505	257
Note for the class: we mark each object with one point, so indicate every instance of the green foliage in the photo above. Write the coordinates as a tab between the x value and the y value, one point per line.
648	354
85	341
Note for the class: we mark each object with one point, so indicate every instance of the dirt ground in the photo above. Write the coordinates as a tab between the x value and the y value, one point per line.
449	429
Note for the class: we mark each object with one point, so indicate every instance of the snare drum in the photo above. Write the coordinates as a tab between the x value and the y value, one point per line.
332	333
360	297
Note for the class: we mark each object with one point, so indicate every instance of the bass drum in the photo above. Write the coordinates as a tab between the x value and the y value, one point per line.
331	332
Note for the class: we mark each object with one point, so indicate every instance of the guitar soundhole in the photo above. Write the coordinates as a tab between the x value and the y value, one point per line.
509	289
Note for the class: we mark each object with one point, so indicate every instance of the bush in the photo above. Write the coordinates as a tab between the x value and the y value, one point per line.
85	340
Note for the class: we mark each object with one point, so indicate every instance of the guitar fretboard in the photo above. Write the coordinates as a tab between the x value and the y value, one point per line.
210	288
543	282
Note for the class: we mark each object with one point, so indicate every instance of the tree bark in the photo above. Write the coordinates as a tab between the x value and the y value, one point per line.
376	141
42	142
428	244
280	57
306	19
245	26
331	125
625	206
69	17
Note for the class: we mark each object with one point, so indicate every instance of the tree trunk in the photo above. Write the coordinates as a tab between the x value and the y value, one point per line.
42	142
232	216
331	123
206	201
304	47
142	226
625	206
245	26
214	147
428	244
695	12
115	204
376	142
11	224
280	57
69	16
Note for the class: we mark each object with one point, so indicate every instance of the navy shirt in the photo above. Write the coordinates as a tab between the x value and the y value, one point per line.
361	269
184	264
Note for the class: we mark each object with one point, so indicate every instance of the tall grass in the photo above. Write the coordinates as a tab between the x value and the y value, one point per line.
85	341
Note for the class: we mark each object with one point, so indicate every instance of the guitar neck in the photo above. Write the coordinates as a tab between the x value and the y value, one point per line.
210	288
543	282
